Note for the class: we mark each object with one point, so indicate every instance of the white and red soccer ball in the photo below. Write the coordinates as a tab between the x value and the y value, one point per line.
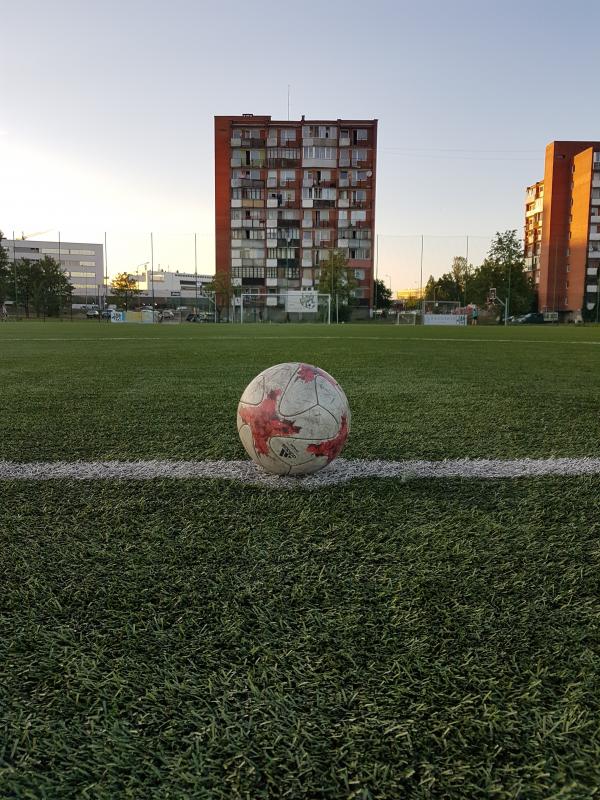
293	419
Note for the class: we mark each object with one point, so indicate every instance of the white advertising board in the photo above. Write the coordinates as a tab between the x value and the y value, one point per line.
444	319
117	316
302	302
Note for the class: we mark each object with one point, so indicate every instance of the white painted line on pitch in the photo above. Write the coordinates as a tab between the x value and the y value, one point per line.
306	339
340	471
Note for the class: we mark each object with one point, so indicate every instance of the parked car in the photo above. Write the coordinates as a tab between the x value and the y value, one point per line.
202	317
92	313
105	313
166	315
533	318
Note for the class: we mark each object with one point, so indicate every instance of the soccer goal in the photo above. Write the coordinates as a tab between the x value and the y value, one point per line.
292	306
406	317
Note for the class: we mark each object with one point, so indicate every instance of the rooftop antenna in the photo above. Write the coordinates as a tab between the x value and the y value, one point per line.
289	87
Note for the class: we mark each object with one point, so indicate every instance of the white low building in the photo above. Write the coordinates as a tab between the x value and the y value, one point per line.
83	262
167	285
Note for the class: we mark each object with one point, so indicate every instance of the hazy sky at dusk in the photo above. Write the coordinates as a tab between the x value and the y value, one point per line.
106	112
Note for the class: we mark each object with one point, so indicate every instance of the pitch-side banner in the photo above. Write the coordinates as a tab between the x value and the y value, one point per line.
302	302
445	319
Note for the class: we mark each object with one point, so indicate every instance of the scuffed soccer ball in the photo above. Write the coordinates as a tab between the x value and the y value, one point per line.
293	419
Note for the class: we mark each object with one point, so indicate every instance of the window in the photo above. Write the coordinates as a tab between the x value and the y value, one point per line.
360	135
322	153
359	253
282	252
283	152
358	155
359	196
287	175
288	135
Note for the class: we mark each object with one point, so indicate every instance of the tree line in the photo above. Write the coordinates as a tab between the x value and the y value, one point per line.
40	287
502	269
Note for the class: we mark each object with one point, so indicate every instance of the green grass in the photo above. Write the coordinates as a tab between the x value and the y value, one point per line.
424	639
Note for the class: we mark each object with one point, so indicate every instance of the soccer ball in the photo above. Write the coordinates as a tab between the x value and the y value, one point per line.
293	419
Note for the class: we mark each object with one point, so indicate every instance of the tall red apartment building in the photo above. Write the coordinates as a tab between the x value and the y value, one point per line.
286	194
562	229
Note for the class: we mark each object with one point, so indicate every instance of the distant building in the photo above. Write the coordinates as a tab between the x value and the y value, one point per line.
170	285
83	263
286	194
562	229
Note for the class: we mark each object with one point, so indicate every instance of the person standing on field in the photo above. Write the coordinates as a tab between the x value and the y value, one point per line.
474	315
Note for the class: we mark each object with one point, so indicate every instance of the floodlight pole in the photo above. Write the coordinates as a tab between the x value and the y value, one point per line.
196	273
105	273
152	270
466	269
329	309
15	271
376	273
421	282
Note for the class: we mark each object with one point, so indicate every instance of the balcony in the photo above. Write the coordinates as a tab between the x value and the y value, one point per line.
247	142
282	163
344	142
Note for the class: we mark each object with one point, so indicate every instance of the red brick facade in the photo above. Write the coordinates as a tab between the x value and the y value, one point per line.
564	261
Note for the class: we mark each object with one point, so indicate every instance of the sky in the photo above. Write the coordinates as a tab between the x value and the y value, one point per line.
106	113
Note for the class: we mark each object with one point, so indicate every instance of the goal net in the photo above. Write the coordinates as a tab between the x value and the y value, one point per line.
291	306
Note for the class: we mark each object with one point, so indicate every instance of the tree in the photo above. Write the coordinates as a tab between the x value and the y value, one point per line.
125	287
223	290
504	269
430	289
5	274
383	295
337	280
56	288
42	286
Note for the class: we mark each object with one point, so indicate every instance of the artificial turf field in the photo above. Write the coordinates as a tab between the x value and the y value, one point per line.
378	639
